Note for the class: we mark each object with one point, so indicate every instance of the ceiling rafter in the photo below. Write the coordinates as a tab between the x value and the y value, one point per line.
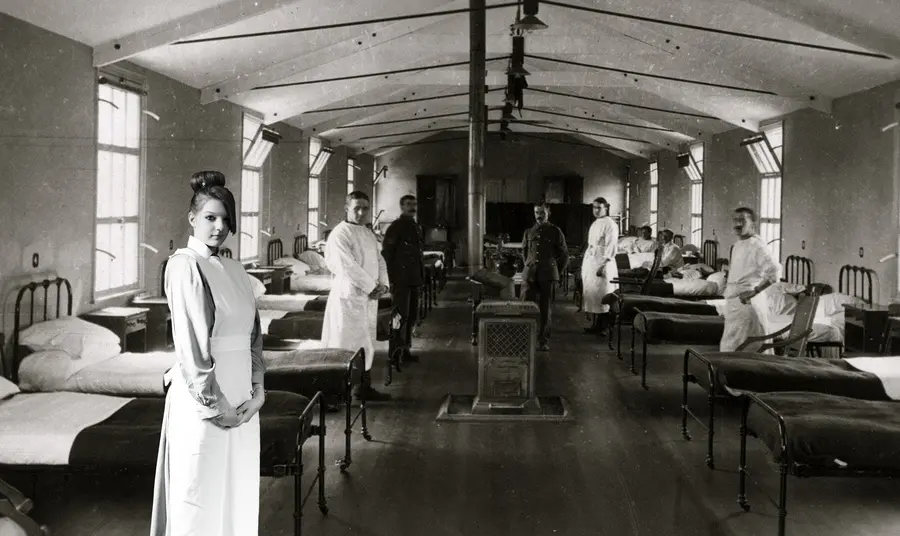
832	24
370	38
198	23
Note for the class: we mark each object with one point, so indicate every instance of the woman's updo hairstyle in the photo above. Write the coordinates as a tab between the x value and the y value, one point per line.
604	202
211	185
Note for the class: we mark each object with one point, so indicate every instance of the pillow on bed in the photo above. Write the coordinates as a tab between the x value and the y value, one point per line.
313	260
780	297
7	388
80	338
48	370
259	288
720	279
298	267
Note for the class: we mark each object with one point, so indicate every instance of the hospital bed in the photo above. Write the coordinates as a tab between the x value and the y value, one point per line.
707	330
40	365
723	374
82	432
816	434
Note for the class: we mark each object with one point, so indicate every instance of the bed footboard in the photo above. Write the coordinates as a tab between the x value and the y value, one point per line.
712	398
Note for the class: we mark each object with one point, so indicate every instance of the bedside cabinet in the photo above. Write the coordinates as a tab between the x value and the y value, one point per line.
864	328
281	278
129	323
264	275
159	322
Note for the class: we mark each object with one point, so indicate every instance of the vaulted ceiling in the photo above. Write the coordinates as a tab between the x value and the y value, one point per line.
632	76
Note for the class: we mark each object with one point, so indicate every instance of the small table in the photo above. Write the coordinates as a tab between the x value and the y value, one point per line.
159	322
129	323
864	327
265	275
281	278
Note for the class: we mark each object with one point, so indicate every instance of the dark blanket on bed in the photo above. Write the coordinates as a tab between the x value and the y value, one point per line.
680	328
308	325
319	302
822	429
309	371
746	371
656	304
130	437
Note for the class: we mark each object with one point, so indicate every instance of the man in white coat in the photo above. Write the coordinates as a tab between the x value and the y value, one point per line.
752	270
353	255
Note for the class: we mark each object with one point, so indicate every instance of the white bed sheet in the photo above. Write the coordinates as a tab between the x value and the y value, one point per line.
694	287
40	428
284	302
886	368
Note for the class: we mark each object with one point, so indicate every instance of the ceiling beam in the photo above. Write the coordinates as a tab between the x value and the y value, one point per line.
371	37
296	100
833	24
191	25
698	60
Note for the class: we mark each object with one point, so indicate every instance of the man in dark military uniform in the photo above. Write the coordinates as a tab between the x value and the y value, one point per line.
546	258
402	250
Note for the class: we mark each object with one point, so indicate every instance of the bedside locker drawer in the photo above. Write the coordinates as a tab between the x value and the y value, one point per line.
135	324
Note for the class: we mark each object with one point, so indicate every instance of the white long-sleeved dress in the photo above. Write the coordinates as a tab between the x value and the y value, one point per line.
751	263
353	255
601	251
207	477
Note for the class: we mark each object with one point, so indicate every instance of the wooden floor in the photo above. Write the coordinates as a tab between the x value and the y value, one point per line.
622	469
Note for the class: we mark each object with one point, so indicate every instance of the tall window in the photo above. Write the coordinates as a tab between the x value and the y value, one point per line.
117	256
312	215
627	224
351	168
654	196
767	151
695	174
250	188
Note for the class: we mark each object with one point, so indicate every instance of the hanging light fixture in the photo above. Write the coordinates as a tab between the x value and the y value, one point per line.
517	60
508	111
529	22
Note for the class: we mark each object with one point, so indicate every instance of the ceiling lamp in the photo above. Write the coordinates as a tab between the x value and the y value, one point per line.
529	22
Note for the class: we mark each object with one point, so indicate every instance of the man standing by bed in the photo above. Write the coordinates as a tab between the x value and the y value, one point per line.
403	252
360	278
546	258
753	270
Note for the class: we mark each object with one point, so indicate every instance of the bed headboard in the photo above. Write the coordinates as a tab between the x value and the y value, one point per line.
274	251
678	240
301	244
226	252
798	270
710	252
857	282
29	290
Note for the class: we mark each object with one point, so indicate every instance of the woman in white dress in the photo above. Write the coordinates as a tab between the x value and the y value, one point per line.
599	265
207	474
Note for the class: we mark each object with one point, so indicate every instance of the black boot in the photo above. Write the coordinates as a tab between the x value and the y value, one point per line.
365	390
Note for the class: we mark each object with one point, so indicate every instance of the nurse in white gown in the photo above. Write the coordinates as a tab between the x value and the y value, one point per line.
353	255
207	475
752	270
599	265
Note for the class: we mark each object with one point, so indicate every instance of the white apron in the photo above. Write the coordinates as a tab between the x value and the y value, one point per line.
744	321
351	324
750	263
207	478
602	242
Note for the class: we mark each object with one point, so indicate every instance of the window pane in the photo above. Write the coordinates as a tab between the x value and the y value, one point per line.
250	186
103	263
104	184
131	175
117	186
349	187
129	252
653	198
132	120
313	194
312	227
104	115
249	237
314	146
654	174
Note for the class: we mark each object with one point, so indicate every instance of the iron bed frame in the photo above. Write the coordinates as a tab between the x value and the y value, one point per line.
784	467
305	426
798	270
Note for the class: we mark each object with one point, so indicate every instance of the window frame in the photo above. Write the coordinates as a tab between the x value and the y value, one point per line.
627	226
769	161
312	213
246	240
695	172
654	197
119	79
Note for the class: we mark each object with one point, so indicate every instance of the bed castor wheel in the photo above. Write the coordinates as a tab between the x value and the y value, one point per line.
367	436
685	435
710	464
343	464
324	510
745	506
45	530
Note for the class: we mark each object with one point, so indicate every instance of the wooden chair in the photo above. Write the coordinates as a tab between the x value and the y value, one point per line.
794	344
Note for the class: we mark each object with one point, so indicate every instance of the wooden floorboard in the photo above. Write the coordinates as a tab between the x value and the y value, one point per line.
621	469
